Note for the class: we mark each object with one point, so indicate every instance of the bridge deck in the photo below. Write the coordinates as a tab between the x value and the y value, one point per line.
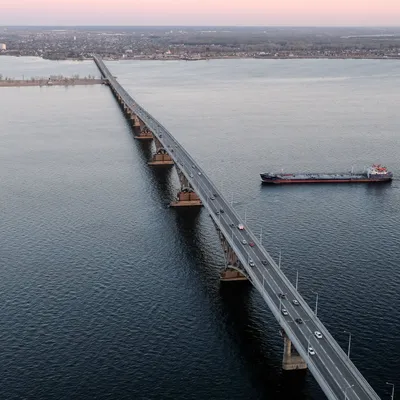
335	373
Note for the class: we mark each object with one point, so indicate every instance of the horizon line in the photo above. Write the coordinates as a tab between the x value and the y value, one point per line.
203	26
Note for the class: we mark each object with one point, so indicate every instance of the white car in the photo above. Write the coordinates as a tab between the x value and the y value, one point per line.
318	334
284	311
251	263
244	241
199	173
241	227
295	302
311	350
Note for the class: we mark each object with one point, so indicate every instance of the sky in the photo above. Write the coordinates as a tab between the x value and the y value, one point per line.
201	12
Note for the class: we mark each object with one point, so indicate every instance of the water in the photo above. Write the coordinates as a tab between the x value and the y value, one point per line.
107	293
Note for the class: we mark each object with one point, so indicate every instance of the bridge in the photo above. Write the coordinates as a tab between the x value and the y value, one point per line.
307	342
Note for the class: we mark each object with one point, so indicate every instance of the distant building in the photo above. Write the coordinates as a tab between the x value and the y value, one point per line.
3	47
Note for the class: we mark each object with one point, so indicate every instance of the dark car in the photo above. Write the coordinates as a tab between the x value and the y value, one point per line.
264	262
282	295
299	320
222	211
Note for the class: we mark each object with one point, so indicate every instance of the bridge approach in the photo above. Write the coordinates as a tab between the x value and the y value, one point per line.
333	370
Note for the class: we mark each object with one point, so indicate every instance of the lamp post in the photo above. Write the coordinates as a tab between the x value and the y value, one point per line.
392	384
345	392
348	348
297	278
280	258
261	236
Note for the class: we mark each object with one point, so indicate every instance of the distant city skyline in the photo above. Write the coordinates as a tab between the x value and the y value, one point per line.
201	12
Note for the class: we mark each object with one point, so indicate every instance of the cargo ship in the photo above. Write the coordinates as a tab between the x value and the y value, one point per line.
375	173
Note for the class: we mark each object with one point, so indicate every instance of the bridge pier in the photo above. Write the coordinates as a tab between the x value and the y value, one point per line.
186	197
143	133
233	270
140	130
161	159
291	359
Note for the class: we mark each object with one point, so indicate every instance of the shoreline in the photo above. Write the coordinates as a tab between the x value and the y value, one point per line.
256	57
47	82
251	58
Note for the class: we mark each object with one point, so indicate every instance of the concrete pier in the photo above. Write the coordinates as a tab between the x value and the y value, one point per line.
230	274
161	159
291	359
186	198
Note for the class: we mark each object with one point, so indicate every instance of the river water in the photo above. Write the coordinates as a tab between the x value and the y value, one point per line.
107	293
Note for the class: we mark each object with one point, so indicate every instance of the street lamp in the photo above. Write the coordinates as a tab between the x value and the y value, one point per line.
316	304
348	349
392	384
345	392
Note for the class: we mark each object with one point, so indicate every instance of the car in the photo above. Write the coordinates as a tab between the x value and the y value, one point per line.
232	225
244	241
212	198
311	350
222	211
318	334
217	213
251	244
251	263
160	135
199	173
172	150
284	311
282	295
295	302
299	320
215	194
241	227
264	262
191	175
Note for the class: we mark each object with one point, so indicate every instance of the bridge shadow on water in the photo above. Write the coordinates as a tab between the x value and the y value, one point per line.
230	302
265	372
234	306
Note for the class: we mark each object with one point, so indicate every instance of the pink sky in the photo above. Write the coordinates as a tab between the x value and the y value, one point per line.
200	12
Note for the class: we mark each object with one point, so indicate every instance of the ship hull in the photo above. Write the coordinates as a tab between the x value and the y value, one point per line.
294	181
